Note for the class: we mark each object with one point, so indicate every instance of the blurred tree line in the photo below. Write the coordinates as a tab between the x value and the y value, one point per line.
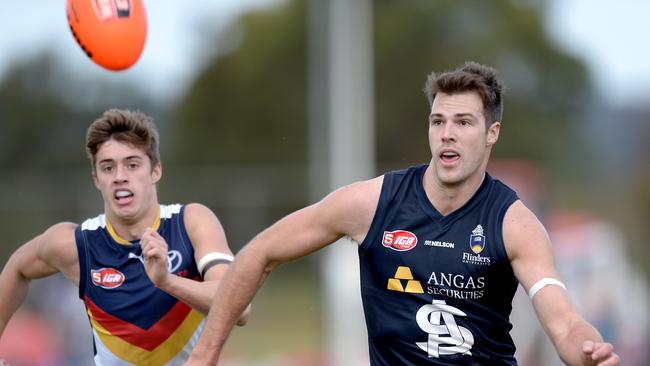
237	140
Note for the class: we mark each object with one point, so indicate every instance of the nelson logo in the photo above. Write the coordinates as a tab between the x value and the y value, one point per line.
400	240
107	278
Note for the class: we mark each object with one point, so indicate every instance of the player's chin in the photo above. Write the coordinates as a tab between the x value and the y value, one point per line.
125	212
450	178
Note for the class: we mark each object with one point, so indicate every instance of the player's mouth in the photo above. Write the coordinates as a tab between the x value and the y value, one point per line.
449	157
123	196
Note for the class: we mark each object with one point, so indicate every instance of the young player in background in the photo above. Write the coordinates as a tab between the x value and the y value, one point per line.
146	272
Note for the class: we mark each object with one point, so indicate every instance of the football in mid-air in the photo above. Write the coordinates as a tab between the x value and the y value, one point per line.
111	32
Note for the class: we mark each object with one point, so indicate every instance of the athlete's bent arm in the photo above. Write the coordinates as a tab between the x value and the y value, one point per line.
347	211
207	236
528	246
49	253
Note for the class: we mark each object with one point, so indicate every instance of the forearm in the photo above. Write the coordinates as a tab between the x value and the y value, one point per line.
569	345
236	291
198	295
13	290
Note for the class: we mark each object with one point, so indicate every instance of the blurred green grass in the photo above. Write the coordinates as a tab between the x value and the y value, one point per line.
286	317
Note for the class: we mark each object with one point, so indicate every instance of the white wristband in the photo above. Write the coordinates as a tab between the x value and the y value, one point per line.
542	283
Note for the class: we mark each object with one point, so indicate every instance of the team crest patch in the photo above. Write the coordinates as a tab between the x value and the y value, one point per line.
477	240
399	240
108	278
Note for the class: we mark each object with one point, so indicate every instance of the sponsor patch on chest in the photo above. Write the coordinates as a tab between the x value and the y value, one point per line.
399	240
108	278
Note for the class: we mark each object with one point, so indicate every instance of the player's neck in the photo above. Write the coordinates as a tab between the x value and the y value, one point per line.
447	198
129	229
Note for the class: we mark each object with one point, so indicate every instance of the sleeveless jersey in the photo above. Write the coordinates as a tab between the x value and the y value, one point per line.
437	290
133	322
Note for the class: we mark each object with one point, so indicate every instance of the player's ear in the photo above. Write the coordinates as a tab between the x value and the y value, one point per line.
156	172
95	180
493	133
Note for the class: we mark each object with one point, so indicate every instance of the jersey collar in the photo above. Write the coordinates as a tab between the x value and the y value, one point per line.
118	239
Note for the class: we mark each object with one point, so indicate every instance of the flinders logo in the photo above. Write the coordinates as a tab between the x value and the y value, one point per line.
477	244
477	240
403	273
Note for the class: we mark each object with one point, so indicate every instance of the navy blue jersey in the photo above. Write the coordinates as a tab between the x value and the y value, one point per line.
133	322
437	290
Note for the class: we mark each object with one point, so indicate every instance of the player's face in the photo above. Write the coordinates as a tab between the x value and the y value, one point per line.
126	180
460	145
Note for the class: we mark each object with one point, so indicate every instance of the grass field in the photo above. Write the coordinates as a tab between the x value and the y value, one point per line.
285	325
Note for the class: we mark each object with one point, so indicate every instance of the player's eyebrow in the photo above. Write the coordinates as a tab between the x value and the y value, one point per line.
111	160
455	115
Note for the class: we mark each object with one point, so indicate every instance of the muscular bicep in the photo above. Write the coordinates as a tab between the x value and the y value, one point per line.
531	257
207	236
345	212
528	246
49	253
29	261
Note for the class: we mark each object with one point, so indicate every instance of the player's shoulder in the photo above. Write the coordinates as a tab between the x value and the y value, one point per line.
360	192
521	227
351	206
370	184
347	210
61	232
198	210
58	241
197	215
518	215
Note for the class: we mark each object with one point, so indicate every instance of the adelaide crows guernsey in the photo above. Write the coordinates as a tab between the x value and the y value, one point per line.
437	290
133	322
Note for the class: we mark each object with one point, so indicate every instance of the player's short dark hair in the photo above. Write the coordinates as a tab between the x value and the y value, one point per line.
471	77
131	127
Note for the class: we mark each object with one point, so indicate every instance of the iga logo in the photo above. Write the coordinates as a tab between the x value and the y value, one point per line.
400	240
107	278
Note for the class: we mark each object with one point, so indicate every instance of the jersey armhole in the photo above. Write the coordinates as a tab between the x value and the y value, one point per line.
82	251
502	214
378	218
186	242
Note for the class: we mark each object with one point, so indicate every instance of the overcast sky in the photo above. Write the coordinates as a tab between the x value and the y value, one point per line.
612	38
609	36
175	30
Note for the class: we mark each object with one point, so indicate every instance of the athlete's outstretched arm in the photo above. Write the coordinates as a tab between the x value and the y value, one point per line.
51	252
347	211
528	246
207	236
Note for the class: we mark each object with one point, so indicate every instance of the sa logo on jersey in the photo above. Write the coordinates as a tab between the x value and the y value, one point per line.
107	278
400	240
